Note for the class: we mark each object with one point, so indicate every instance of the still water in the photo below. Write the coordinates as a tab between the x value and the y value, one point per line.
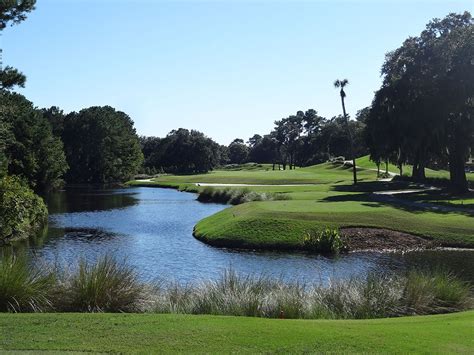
151	228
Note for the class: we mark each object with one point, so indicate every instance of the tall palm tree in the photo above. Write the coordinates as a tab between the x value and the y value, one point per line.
342	84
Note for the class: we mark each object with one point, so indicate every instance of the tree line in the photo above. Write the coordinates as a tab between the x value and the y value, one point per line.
423	114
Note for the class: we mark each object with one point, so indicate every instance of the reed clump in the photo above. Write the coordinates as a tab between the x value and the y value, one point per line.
237	196
112	286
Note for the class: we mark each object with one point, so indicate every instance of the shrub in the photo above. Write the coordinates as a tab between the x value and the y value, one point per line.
22	212
237	196
106	286
324	241
24	288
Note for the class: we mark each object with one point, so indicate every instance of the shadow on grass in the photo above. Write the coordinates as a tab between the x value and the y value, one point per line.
372	186
407	203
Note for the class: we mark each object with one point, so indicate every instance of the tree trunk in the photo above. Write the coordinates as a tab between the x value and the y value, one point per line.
354	168
378	169
386	167
457	172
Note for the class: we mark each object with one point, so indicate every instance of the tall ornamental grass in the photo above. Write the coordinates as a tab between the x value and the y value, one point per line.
237	196
104	286
374	296
112	286
24	288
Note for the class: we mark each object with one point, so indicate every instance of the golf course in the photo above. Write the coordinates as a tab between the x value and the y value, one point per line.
322	196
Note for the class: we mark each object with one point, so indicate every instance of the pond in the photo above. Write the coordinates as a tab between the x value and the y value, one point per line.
151	228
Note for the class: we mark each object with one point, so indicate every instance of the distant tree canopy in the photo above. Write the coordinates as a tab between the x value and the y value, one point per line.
424	112
302	139
28	147
182	151
238	152
101	144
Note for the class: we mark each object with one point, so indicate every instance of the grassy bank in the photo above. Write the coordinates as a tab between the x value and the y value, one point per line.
147	333
323	196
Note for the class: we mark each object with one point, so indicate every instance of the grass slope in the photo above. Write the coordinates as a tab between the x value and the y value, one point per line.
150	333
323	195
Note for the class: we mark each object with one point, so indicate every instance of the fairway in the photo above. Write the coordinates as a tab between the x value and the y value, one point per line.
323	196
148	333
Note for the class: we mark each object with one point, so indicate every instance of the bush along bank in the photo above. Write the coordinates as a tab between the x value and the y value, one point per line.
22	212
112	286
237	196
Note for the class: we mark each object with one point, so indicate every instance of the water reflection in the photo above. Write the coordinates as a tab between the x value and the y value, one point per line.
81	199
152	229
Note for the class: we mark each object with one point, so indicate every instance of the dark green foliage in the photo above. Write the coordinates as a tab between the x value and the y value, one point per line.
24	288
101	146
10	77
238	152
30	149
22	212
14	11
327	240
424	112
182	151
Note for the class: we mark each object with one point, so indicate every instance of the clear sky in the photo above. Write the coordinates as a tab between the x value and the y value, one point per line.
227	68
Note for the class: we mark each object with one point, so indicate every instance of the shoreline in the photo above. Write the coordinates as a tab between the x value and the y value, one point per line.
384	239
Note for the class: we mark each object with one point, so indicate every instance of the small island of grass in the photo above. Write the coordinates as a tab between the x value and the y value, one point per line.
322	196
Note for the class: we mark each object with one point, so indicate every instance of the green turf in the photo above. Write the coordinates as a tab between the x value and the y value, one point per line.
151	333
323	195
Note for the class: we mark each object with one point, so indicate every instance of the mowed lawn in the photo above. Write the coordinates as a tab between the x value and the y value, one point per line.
152	333
322	196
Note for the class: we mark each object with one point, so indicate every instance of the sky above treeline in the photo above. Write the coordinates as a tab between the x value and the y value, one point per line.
227	68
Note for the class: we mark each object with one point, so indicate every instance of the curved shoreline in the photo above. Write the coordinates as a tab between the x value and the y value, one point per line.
358	238
416	243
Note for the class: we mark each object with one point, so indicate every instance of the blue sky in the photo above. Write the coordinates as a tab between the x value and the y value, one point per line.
227	68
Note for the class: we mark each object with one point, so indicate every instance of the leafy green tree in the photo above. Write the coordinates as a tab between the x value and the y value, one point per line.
101	146
30	149
182	152
426	100
263	150
238	151
22	212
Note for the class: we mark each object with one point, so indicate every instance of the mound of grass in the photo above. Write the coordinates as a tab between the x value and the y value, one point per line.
283	224
321	195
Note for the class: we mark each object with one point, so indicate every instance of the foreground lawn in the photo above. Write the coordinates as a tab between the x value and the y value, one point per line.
147	333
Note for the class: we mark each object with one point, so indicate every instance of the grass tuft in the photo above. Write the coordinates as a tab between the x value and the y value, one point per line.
24	288
106	286
237	196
